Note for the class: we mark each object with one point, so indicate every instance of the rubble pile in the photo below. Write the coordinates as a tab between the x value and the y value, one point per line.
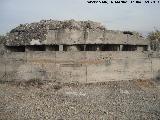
29	32
38	30
72	24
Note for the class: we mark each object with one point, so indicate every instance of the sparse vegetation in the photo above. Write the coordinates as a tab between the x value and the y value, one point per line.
154	38
2	39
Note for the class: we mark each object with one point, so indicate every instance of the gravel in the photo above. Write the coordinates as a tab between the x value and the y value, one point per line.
122	100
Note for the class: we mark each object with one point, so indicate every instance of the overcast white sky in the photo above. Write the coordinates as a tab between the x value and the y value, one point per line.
134	17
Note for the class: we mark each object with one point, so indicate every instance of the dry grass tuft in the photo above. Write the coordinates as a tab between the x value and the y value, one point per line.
144	83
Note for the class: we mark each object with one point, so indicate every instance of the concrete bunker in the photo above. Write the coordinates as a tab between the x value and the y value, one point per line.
72	36
70	62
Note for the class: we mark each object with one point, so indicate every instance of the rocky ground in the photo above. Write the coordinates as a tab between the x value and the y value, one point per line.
123	100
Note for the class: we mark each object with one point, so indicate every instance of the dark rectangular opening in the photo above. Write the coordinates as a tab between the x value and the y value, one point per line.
110	47
128	32
82	47
143	47
129	48
91	47
52	47
16	48
65	47
36	47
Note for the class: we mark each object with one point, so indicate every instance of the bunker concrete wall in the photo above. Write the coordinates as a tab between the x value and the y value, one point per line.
91	36
86	66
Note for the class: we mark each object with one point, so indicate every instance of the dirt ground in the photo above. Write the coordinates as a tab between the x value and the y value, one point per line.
122	100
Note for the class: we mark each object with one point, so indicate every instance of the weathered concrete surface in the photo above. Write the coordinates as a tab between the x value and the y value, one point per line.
91	36
83	67
70	66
